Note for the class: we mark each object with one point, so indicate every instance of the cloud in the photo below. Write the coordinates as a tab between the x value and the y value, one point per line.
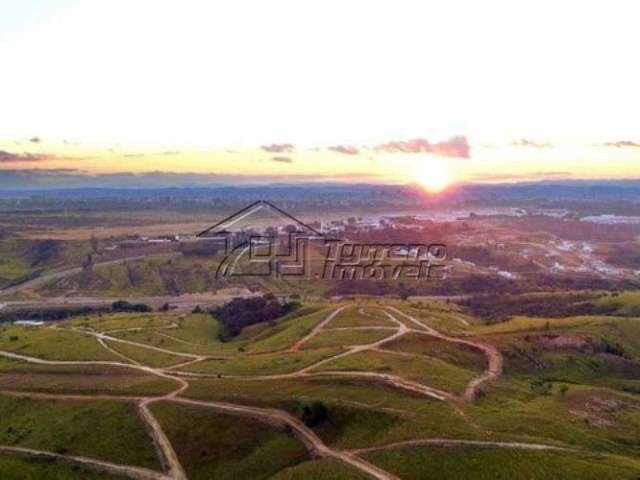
525	142
454	147
34	139
8	157
622	144
278	148
281	159
416	145
26	179
344	149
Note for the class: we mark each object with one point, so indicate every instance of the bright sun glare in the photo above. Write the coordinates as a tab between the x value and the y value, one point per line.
434	177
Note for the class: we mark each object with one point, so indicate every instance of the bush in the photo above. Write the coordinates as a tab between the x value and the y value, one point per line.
611	348
496	308
540	387
314	414
51	313
124	306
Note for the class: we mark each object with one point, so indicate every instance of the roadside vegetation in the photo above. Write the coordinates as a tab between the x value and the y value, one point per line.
440	463
104	430
227	447
80	379
51	344
17	467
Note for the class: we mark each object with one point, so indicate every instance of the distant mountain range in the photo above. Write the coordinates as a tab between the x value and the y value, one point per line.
340	193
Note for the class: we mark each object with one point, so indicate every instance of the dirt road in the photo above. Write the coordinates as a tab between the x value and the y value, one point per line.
494	357
278	418
296	346
171	463
137	473
451	442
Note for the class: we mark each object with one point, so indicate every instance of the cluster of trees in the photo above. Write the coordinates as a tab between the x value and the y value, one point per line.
448	286
242	312
50	314
612	348
581	283
62	312
496	308
45	252
314	413
124	306
202	248
476	284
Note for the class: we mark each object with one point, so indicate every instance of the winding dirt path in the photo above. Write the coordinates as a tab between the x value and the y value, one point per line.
167	454
494	357
273	417
388	379
137	473
450	442
296	346
308	437
170	461
278	418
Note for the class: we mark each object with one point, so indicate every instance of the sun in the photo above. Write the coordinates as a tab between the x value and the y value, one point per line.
434	177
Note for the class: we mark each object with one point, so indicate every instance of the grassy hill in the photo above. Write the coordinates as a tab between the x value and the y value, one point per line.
565	403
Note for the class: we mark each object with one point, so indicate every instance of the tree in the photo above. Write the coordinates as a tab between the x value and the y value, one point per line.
314	413
87	264
95	243
242	312
124	306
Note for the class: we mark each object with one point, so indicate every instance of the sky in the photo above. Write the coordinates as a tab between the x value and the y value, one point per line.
392	91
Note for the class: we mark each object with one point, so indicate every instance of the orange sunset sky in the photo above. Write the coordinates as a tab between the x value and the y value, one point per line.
402	91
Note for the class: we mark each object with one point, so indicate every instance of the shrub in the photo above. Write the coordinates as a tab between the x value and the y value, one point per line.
314	414
124	306
540	387
611	348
